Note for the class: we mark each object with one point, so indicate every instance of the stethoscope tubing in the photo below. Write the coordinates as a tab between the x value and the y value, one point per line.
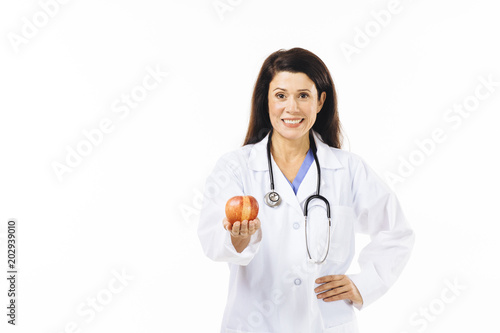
273	199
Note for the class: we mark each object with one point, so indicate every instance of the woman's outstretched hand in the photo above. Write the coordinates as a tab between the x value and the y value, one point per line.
336	288
241	232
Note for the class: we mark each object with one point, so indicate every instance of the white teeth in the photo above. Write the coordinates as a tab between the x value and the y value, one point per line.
292	121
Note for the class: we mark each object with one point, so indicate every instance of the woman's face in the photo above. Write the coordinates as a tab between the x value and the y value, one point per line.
293	104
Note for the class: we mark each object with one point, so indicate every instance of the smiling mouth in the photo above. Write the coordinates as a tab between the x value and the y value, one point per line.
292	122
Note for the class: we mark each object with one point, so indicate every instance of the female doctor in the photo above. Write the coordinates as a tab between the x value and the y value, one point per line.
287	271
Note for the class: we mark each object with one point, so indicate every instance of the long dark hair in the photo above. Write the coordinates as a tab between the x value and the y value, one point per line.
296	60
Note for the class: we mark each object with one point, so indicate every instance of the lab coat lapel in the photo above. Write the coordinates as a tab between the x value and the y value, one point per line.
258	156
326	157
328	162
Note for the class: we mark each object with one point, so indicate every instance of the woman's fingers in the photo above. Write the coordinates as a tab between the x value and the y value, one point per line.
242	229
338	292
235	231
330	282
226	224
251	227
329	278
337	287
257	223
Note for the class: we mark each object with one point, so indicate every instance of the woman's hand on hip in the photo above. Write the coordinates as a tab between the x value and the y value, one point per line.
336	288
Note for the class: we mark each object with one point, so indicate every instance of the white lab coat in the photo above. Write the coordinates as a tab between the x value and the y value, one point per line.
271	284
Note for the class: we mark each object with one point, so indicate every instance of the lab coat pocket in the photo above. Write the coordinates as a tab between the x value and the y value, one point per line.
341	233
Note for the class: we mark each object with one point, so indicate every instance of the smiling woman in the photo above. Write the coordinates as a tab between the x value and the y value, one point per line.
281	281
293	103
309	75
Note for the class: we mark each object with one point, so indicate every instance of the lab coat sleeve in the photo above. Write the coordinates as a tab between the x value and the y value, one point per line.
379	215
224	182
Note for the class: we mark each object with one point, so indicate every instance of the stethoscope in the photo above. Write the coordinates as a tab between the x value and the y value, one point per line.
273	199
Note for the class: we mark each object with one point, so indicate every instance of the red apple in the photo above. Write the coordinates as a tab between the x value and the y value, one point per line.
242	208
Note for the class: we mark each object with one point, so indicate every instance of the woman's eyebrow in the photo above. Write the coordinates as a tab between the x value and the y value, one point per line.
297	90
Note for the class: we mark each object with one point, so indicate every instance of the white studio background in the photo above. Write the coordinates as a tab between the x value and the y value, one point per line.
110	244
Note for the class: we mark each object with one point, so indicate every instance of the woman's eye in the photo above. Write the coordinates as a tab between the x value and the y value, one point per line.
280	95
304	95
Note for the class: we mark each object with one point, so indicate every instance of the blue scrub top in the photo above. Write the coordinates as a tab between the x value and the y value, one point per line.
302	171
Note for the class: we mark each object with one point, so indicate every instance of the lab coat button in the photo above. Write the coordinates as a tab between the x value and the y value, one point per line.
296	225
297	282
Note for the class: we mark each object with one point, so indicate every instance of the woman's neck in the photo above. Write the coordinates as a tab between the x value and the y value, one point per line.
287	150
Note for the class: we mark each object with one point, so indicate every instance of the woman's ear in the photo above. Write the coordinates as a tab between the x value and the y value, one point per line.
321	101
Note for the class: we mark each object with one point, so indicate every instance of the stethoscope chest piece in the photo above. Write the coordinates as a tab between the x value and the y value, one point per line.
272	199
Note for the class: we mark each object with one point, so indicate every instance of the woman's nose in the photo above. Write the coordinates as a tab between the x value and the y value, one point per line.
291	105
